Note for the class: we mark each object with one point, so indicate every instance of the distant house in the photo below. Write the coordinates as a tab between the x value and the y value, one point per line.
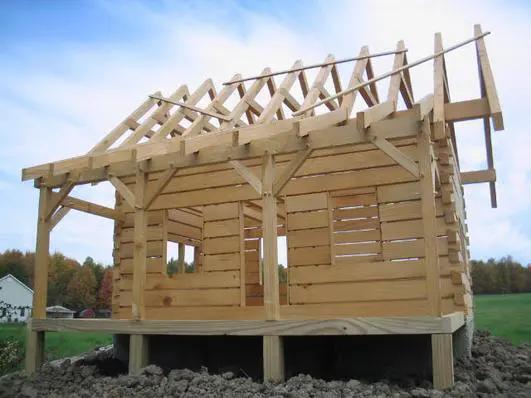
15	300
58	311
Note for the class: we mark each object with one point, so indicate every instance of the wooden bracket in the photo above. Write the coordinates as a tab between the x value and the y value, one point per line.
58	199
158	186
281	181
248	175
58	216
123	190
397	155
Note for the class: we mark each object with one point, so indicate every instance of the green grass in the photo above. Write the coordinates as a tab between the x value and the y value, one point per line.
58	344
506	315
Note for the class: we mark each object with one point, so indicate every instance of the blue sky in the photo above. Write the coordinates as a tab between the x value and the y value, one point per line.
71	70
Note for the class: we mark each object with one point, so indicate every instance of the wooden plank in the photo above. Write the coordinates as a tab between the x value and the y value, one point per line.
155	189
309	256
185	217
396	154
412	248
188	281
58	216
222	228
442	361
399	192
357	236
361	291
309	237
357	248
220	211
186	298
366	199
92	208
353	225
466	110
153	265
239	326
221	262
230	244
478	176
152	249
42	263
248	175
316	201
269	228
356	213
487	81
176	228
307	220
357	272
430	223
438	90
409	229
290	170
126	193
153	233
374	114
140	250
34	355
273	358
409	210
138	353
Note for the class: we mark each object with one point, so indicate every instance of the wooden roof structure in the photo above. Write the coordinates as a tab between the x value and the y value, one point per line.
174	132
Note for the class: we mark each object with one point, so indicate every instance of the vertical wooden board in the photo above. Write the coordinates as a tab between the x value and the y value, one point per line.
138	353
34	350
314	201
273	358
220	212
442	361
42	256
243	269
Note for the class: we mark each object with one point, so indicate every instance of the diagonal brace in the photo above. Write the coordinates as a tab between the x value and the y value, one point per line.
58	216
281	181
158	186
126	193
248	175
63	193
397	155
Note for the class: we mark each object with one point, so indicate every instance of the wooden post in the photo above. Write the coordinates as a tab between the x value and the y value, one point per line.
273	352
138	353
138	348
427	189
35	340
181	266
442	361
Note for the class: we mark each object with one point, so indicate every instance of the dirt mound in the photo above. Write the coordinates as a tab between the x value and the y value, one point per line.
497	369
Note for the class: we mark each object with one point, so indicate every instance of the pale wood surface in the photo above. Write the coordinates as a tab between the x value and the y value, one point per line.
442	361
347	326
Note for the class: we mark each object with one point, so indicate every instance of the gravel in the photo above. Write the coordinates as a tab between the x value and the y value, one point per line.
497	369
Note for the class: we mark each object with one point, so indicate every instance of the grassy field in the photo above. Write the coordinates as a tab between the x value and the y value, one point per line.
58	344
506	315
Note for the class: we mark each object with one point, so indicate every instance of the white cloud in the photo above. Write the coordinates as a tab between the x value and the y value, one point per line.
62	97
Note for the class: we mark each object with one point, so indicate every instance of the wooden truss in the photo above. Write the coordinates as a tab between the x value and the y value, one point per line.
249	123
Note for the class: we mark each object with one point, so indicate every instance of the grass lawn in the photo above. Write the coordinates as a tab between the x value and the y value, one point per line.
58	344
506	315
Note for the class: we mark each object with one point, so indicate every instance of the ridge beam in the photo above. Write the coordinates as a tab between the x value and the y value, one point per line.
397	155
248	175
123	190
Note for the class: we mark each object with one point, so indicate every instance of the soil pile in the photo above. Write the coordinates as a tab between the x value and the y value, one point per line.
497	369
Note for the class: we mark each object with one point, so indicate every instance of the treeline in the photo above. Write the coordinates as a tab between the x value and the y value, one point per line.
70	284
500	276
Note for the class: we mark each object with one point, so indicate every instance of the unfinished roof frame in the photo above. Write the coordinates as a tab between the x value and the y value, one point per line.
270	136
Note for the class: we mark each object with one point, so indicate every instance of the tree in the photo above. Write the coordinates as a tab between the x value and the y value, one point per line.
82	289
12	262
105	291
60	274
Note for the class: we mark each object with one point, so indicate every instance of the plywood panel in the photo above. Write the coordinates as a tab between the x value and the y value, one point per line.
352	272
309	256
229	244
361	291
316	201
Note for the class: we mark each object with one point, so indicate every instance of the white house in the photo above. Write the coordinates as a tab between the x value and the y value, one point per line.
15	300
